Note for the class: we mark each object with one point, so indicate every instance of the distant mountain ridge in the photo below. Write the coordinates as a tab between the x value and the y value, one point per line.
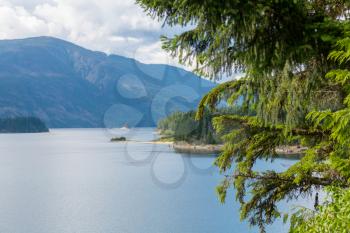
69	86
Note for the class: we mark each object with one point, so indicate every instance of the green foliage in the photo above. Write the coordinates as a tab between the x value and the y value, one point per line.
332	217
295	55
183	127
118	139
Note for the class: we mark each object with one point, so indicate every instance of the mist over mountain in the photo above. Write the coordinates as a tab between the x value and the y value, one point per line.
68	86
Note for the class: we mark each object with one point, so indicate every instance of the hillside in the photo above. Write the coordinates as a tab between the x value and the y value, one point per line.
69	86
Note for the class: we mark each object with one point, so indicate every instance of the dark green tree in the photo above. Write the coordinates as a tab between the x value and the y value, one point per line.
182	126
295	56
22	125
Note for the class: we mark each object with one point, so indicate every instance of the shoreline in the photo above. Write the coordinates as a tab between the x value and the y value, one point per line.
289	152
184	147
293	152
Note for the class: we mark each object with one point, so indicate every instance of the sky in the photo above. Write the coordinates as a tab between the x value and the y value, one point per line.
111	26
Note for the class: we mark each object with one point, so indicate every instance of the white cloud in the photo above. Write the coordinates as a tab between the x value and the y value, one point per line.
111	26
152	54
16	21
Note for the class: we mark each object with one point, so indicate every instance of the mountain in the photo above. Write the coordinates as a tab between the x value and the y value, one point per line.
66	85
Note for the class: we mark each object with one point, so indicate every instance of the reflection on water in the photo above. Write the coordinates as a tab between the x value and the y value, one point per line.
75	180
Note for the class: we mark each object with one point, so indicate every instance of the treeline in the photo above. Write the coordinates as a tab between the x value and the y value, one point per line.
22	125
182	126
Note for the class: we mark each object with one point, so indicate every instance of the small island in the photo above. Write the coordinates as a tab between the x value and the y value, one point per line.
22	125
118	139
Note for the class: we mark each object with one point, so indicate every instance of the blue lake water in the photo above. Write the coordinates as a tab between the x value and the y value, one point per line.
76	181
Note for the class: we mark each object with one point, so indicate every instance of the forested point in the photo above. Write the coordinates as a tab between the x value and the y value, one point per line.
22	125
183	126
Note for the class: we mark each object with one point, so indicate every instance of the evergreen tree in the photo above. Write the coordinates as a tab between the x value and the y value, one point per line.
294	81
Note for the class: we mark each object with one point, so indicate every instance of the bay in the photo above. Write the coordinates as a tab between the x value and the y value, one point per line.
77	181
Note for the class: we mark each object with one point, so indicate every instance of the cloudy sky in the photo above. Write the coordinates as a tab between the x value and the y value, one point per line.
111	26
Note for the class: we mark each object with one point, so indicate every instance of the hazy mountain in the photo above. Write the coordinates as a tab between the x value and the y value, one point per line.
69	86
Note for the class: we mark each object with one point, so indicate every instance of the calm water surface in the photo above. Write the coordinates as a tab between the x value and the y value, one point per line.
76	181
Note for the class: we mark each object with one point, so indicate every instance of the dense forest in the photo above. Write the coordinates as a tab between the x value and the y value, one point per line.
183	126
295	56
22	125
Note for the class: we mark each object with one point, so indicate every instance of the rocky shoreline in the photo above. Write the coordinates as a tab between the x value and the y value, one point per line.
293	152
185	147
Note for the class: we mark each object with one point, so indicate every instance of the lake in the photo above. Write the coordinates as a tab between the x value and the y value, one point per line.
76	181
